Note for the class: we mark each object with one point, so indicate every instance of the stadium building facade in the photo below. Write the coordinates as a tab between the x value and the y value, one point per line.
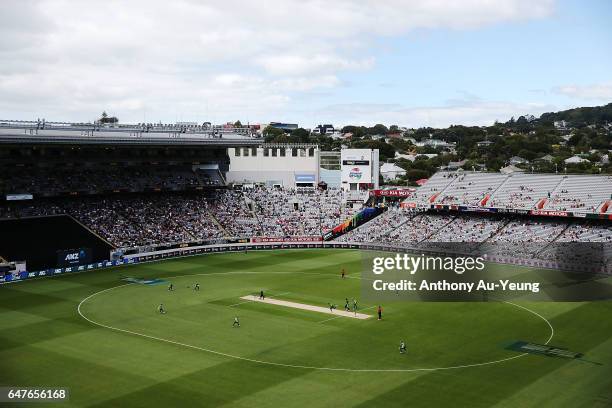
304	166
280	165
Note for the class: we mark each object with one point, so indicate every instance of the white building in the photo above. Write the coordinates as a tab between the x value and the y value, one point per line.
514	160
303	166
359	169
412	157
575	160
286	165
436	143
391	171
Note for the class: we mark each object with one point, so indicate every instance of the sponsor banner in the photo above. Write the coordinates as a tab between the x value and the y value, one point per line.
287	239
72	257
543	349
481	209
513	210
392	193
19	197
355	162
551	213
408	205
304	178
355	174
356	167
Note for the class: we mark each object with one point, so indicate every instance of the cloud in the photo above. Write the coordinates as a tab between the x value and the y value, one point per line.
69	60
602	91
466	112
313	64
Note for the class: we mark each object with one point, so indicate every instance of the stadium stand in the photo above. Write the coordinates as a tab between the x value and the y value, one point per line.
555	192
164	218
471	188
519	193
129	220
418	228
469	228
581	194
377	229
54	181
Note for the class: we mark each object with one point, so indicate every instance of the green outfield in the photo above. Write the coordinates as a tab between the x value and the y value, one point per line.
105	340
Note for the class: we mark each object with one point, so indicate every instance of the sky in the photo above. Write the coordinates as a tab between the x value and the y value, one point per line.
409	63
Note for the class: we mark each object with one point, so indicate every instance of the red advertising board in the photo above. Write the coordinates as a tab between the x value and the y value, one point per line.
408	205
287	239
392	193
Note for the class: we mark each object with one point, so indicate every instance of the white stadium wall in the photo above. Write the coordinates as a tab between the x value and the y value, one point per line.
274	167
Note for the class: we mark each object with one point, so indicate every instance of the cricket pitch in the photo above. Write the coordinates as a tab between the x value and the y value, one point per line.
319	309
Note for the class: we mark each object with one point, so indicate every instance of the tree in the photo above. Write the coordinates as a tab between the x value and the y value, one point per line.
271	131
401	144
104	118
237	124
378	129
416	174
386	151
357	131
300	135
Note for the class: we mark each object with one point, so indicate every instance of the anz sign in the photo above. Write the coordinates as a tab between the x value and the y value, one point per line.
74	257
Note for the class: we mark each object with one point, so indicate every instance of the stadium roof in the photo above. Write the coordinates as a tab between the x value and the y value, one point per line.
87	135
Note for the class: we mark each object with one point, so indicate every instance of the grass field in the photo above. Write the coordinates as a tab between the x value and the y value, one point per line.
105	340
